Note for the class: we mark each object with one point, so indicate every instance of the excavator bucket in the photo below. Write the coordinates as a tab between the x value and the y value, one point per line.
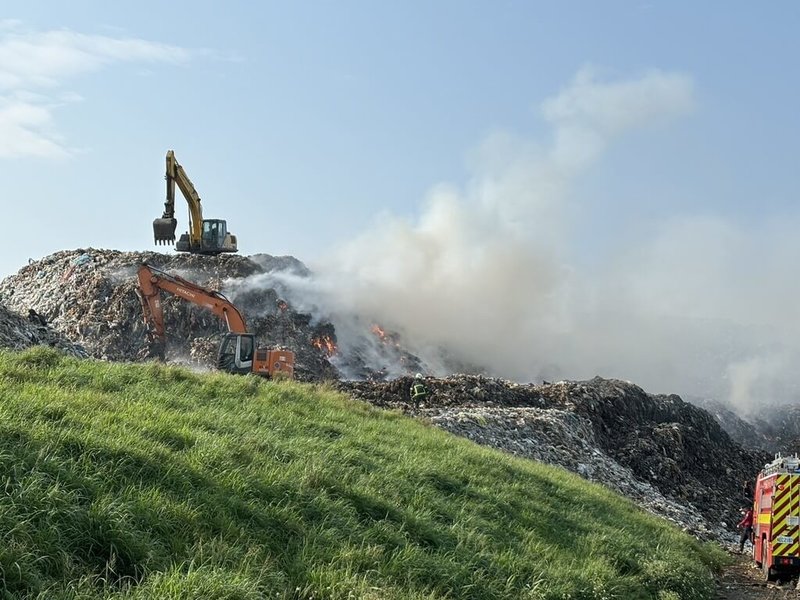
164	230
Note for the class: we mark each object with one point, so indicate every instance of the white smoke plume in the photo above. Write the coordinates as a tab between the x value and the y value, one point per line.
488	272
482	273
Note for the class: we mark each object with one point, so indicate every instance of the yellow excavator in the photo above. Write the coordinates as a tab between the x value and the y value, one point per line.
205	236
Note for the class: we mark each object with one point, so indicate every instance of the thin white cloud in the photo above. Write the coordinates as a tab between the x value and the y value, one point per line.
35	65
26	130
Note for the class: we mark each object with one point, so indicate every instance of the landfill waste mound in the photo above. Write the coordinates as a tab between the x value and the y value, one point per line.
780	428
18	332
88	297
670	457
750	432
774	428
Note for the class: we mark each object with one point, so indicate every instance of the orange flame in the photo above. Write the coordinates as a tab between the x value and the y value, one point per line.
386	338
326	344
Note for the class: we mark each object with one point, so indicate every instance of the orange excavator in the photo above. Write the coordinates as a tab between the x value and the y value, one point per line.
237	351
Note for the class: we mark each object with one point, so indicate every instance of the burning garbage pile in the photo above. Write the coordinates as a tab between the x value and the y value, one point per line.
375	354
324	339
88	297
670	457
358	347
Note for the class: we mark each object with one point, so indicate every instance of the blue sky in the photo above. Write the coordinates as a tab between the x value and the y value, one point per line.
300	122
581	176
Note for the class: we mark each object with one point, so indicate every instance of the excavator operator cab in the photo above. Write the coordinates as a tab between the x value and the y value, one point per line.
213	236
236	353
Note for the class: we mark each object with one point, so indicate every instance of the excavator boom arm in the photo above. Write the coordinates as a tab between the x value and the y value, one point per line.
152	281
176	175
164	228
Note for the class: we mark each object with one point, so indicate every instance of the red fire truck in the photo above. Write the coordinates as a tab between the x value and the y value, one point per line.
776	517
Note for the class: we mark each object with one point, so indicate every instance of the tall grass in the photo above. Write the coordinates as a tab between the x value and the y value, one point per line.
145	481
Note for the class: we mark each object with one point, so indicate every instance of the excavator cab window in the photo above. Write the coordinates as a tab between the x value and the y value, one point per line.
236	353
214	231
245	349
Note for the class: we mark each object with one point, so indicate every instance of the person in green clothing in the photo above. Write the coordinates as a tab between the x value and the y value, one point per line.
418	390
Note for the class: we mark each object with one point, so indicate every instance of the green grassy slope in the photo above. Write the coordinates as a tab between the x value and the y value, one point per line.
142	481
